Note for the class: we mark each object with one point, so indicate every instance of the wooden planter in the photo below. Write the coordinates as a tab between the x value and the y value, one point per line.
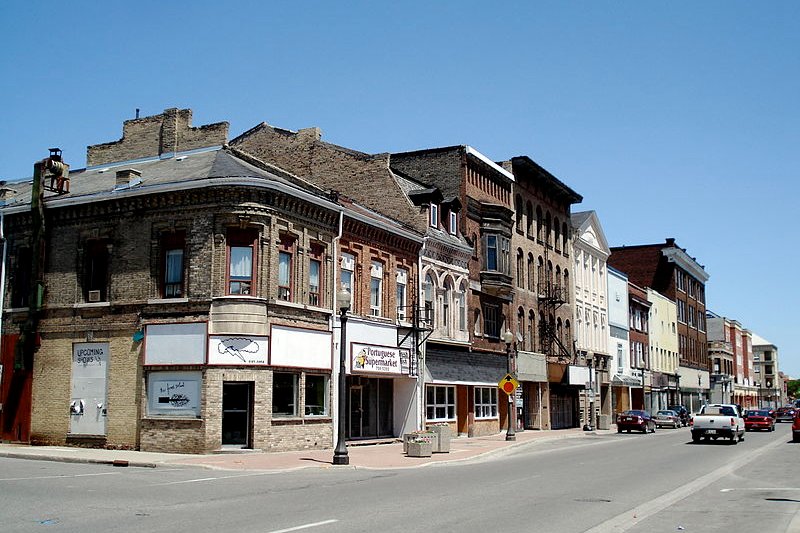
419	449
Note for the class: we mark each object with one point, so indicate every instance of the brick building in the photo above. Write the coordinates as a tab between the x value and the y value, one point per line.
188	297
668	269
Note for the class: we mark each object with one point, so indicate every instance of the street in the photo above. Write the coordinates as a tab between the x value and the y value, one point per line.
597	483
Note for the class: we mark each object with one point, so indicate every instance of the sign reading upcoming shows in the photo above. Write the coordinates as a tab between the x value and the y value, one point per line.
238	350
376	359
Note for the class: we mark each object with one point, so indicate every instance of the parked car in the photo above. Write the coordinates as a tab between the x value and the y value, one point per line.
796	427
682	411
667	418
758	419
636	420
718	420
785	414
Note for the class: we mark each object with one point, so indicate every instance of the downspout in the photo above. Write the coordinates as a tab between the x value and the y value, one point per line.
420	353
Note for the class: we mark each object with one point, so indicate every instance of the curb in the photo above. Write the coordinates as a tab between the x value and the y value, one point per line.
81	460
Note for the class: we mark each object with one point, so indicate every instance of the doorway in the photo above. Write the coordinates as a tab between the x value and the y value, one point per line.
370	405
237	402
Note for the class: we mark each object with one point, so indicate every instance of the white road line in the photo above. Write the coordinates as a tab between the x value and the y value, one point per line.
304	526
203	479
760	489
628	519
60	476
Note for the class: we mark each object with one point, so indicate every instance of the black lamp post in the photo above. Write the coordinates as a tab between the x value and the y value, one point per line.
511	434
340	456
589	426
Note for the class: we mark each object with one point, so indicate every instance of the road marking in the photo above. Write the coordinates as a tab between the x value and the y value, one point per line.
631	517
760	489
59	476
304	526
203	479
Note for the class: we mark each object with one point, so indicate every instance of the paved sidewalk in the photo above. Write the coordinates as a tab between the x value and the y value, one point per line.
374	456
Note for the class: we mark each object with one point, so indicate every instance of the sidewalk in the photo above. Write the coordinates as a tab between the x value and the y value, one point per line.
375	456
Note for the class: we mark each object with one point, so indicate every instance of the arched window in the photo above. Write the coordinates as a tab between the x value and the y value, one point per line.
531	273
520	268
567	336
559	331
557	228
521	326
558	277
531	330
539	224
529	219
430	292
548	228
518	212
446	307
462	307
567	288
564	237
543	335
550	273
541	281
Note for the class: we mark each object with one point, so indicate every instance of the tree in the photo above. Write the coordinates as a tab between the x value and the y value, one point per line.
793	388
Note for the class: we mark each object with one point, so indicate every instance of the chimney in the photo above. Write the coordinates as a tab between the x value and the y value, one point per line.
671	241
128	177
310	133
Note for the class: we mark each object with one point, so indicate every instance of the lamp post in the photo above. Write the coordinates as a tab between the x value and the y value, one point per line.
588	426
507	337
340	456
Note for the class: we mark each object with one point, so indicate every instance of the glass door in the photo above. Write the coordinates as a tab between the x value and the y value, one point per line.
236	410
356	413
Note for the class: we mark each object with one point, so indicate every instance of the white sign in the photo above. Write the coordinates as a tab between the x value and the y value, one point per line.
238	350
378	359
174	393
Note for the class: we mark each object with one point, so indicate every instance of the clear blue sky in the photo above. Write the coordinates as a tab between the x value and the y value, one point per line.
672	119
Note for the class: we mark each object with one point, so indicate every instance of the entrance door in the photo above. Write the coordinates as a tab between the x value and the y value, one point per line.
87	406
356	414
236	410
15	395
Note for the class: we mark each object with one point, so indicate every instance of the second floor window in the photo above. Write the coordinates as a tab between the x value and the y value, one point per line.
491	252
497	254
375	288
21	287
491	324
314	269
284	276
173	245
241	257
402	286
96	271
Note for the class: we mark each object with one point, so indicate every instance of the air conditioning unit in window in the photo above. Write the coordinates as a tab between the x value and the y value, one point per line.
94	296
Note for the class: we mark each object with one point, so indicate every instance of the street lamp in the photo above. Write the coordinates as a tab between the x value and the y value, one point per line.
508	337
340	456
588	426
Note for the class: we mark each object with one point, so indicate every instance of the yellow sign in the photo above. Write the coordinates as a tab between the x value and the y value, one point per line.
508	384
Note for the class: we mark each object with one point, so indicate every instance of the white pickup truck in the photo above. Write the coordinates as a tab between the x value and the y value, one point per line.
718	420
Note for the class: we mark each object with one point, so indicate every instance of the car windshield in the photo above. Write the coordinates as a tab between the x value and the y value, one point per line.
634	413
758	413
666	413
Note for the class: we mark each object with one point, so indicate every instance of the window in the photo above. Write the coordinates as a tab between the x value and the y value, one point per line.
453	223
491	324
429	291
316	395
375	288
520	268
539	224
241	257
518	212
348	264
21	286
434	216
314	268
446	296
440	403
402	291
619	358
285	268
529	219
284	394
557	228
681	311
531	273
491	252
96	271
462	307
172	246
485	402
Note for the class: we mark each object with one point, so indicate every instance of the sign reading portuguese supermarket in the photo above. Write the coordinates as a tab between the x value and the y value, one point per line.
375	359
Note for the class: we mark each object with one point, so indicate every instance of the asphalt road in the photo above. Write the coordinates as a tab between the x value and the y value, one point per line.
614	482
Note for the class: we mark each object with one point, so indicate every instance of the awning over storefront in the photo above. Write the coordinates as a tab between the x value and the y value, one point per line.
464	367
626	381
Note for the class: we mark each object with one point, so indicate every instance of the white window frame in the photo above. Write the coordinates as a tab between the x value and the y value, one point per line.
401	280
453	223
486	408
376	289
433	220
347	270
449	404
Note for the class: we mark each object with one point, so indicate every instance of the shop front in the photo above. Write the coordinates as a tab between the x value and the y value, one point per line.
461	390
567	384
531	370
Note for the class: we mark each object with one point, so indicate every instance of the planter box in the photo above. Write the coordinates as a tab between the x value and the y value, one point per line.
442	442
419	449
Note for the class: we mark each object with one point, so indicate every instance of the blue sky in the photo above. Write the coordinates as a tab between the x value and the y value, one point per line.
672	119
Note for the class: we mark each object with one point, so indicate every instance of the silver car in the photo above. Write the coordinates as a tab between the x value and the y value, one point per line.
667	418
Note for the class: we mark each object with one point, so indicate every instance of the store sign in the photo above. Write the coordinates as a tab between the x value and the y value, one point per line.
238	350
378	359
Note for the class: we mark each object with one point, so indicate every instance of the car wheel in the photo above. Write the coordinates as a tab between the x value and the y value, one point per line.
734	439
695	437
796	437
619	430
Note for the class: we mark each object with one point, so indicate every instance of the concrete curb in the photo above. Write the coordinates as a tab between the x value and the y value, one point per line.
83	460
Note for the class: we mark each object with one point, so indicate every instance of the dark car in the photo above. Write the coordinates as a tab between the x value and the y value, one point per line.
758	419
635	420
785	414
683	413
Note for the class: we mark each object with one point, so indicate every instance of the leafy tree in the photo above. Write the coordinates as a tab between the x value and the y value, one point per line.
793	388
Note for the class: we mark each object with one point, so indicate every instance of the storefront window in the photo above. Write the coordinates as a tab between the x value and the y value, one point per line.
485	402
316	395
284	394
440	403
